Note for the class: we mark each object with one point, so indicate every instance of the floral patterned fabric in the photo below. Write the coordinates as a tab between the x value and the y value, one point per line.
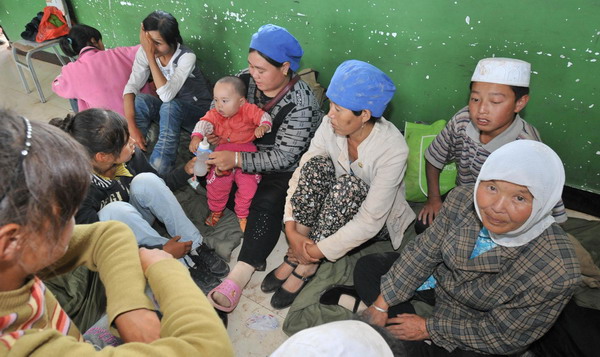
324	202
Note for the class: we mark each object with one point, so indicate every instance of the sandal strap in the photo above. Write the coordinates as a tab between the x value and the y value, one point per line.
288	262
304	279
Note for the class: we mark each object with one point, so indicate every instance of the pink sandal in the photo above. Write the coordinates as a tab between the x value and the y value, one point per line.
232	292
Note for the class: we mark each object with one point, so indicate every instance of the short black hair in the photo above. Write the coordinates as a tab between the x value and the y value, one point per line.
166	25
98	130
519	91
79	37
237	83
371	119
271	61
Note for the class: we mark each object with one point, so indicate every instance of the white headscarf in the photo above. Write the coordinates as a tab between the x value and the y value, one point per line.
534	165
336	339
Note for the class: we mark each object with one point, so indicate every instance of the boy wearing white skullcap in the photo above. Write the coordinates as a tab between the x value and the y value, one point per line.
499	91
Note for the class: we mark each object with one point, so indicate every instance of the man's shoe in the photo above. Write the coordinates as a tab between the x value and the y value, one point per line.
205	280
211	260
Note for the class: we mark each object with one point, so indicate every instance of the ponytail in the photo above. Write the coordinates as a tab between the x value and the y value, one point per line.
79	37
98	130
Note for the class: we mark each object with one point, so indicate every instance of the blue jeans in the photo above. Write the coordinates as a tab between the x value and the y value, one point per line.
151	199
170	116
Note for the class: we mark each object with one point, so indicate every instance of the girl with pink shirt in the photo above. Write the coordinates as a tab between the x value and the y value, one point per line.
98	76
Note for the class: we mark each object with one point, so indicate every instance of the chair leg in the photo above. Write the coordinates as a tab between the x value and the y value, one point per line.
20	70
60	58
35	78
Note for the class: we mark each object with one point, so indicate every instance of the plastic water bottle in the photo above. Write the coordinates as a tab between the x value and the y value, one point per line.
202	155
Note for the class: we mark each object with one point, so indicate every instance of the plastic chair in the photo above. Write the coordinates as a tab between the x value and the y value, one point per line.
30	48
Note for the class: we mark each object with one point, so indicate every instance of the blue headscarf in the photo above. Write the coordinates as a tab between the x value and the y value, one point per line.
357	85
277	43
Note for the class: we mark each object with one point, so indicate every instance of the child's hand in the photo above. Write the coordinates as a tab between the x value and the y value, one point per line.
213	139
194	144
151	256
261	130
176	248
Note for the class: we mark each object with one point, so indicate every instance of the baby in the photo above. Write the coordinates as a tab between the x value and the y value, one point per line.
237	123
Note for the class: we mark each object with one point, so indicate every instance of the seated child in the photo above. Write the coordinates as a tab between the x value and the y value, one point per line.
47	177
499	91
237	123
126	188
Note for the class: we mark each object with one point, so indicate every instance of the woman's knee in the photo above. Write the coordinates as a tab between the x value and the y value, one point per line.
347	185
319	165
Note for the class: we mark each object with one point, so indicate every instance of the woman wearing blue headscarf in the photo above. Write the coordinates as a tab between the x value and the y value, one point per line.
273	59
349	186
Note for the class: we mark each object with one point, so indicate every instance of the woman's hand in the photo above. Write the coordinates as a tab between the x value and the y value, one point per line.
375	317
138	137
189	167
298	251
223	160
147	44
408	327
139	325
430	210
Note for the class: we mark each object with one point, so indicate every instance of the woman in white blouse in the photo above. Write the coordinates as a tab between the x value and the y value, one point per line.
184	94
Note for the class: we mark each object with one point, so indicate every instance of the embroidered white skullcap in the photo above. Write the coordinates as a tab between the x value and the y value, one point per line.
336	339
509	71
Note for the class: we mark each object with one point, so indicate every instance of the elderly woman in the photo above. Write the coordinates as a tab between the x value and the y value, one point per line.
496	265
349	186
273	59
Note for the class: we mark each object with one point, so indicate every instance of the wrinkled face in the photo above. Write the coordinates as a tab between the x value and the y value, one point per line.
227	100
504	206
343	120
266	76
162	48
492	107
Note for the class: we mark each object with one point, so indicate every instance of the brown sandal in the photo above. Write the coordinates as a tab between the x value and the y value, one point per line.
213	218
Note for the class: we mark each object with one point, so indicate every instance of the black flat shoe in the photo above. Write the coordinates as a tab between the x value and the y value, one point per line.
332	295
283	298
271	283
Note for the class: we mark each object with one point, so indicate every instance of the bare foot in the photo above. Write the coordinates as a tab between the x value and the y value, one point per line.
176	248
220	299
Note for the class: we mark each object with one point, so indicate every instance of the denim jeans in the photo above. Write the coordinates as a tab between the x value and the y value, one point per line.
170	116
151	199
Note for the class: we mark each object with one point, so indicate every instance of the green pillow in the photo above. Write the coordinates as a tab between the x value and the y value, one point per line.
418	137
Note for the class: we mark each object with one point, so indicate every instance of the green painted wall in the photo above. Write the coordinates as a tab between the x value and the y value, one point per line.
428	47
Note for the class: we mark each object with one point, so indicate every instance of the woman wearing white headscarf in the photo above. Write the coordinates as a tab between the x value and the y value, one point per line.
496	266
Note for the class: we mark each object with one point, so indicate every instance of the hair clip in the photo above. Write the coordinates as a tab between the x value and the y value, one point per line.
25	150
